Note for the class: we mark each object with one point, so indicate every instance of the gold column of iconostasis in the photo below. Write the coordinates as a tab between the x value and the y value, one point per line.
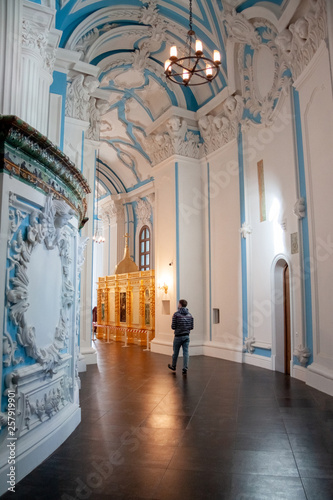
126	307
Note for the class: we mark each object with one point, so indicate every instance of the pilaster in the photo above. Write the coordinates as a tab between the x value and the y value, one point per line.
10	56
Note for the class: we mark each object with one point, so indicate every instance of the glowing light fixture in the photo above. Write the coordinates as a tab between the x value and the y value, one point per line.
192	69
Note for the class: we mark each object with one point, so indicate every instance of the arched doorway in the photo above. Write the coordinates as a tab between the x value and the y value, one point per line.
282	317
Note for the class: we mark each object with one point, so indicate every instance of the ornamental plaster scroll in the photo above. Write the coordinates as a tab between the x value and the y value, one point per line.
49	228
135	76
262	106
245	230
143	211
300	208
47	404
248	344
97	108
300	41
78	96
177	140
217	131
302	354
86	41
239	29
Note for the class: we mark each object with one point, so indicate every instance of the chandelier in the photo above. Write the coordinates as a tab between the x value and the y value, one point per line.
98	236
192	69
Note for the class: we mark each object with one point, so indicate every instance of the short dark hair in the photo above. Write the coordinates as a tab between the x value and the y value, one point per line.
183	302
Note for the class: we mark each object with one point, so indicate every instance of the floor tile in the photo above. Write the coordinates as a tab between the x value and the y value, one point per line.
226	431
318	489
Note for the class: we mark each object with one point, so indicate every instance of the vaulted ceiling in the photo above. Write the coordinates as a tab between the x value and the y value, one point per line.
129	41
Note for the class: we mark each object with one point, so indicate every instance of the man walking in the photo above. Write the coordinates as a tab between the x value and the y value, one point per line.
182	323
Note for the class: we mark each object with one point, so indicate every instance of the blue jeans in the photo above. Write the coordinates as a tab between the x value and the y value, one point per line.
178	342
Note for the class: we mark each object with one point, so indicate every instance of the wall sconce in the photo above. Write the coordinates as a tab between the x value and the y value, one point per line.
163	287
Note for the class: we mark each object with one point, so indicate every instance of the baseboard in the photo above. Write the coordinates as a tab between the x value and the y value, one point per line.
166	347
299	372
161	347
320	378
222	352
259	361
90	355
36	453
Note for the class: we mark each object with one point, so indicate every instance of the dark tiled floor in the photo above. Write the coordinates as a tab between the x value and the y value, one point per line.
226	431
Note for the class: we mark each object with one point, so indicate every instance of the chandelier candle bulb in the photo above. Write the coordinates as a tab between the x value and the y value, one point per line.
186	75
209	71
173	53
198	48
167	68
217	57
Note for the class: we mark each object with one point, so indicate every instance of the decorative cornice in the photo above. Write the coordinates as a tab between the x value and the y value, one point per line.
217	131
113	211
27	154
300	41
177	140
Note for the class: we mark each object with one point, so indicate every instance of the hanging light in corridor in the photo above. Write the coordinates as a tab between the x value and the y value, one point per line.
192	69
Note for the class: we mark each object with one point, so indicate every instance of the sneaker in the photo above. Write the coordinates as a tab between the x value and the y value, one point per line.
184	371
173	368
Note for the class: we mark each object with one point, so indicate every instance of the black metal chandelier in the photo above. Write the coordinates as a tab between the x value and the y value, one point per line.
192	69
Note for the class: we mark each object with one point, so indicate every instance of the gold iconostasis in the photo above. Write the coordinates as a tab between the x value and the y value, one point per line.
126	305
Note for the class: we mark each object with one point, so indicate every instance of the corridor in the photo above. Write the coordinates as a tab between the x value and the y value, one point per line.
224	431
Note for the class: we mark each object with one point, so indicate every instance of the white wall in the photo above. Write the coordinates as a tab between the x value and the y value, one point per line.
165	245
315	93
191	249
223	221
270	238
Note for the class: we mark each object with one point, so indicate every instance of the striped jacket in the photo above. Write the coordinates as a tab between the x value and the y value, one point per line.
182	322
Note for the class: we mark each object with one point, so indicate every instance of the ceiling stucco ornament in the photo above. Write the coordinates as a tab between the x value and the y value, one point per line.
86	41
264	75
239	29
177	140
157	26
78	95
300	41
217	131
46	227
149	12
135	76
